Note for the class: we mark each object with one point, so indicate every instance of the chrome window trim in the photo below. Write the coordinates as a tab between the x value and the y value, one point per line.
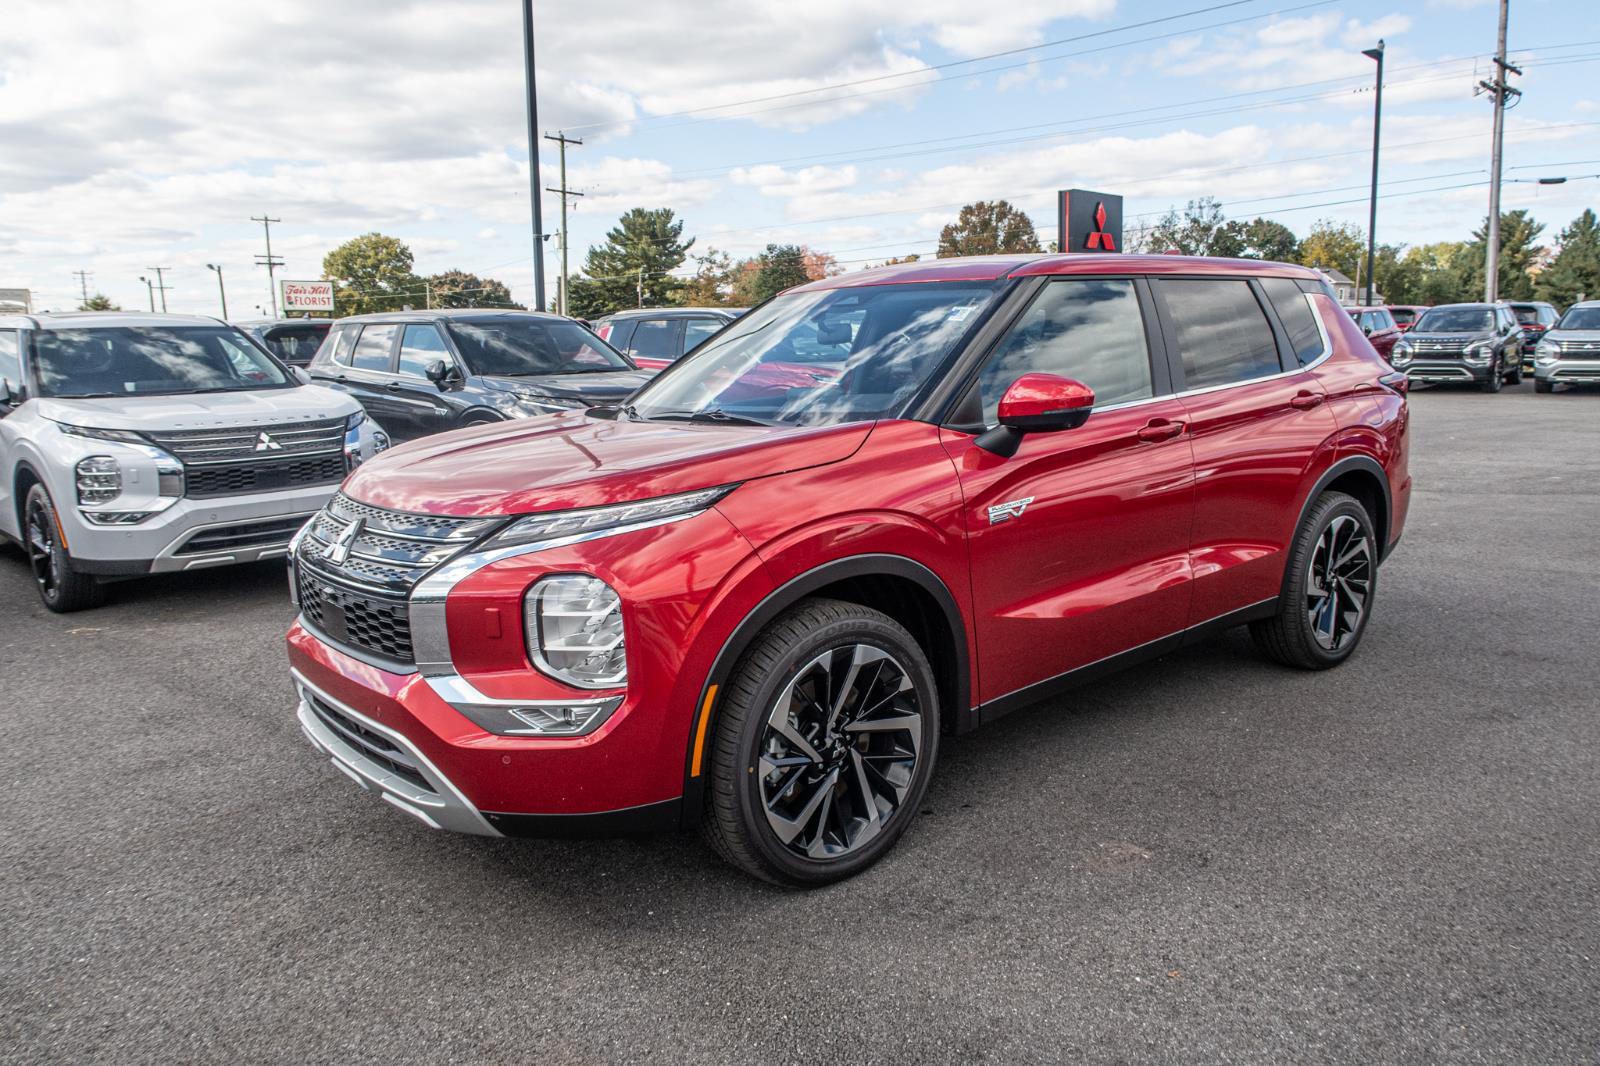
1322	357
430	636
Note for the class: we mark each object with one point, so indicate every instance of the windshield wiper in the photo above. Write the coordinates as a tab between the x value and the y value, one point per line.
715	415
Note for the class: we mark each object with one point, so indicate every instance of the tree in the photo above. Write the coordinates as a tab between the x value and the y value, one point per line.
99	302
372	273
987	228
712	282
820	265
457	288
633	268
780	267
1337	246
1266	239
902	259
1574	273
1518	232
1199	230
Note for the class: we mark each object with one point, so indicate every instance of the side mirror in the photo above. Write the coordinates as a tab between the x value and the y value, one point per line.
441	374
300	375
1037	403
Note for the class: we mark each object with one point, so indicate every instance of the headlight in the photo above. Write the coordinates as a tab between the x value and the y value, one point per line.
545	404
352	421
99	479
1401	353
121	436
1479	352
535	528
573	626
1547	352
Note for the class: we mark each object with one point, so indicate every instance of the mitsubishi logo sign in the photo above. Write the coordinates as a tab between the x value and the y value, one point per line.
265	443
1090	221
337	552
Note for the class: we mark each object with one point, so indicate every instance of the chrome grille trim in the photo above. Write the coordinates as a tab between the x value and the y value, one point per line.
211	447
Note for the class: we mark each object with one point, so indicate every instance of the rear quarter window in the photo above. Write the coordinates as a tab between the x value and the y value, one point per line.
1293	308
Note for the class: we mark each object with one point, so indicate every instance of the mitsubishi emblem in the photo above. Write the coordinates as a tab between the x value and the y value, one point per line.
338	551
1005	512
265	443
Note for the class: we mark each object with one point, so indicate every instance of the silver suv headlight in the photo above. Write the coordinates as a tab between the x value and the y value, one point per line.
573	626
1546	352
99	479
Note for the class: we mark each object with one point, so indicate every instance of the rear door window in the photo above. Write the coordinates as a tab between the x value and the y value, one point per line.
375	349
1223	336
1090	330
696	330
656	338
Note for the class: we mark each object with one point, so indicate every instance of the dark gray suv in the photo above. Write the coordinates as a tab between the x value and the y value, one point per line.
1479	343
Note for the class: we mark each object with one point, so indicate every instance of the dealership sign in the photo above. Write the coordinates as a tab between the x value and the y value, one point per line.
305	295
1090	221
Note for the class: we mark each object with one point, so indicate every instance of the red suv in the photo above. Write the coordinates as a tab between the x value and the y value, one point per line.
760	609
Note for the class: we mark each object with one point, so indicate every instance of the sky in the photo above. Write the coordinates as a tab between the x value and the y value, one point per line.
142	135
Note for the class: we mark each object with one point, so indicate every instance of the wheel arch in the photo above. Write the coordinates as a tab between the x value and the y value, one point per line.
1364	478
23	478
900	587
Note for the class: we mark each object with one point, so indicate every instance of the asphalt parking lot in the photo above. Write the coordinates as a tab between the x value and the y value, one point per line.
1210	859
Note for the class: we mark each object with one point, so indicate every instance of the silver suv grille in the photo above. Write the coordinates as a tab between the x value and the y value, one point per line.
357	564
1584	349
201	447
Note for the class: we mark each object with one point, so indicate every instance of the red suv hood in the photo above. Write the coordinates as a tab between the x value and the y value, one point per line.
556	462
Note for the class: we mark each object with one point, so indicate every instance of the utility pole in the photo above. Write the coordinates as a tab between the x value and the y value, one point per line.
221	292
562	139
1372	208
150	288
640	286
1499	90
161	284
83	282
270	261
533	156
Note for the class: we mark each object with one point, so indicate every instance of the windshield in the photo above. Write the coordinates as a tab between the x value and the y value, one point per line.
527	347
1527	314
150	361
296	344
823	357
1580	318
1403	315
1456	320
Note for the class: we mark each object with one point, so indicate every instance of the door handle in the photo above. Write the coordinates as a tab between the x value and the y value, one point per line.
1159	429
394	386
1305	401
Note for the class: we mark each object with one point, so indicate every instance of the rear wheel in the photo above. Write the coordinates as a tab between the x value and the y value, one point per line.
1328	596
62	587
826	738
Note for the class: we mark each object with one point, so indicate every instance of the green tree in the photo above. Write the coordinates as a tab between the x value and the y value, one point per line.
780	267
457	288
1574	273
99	302
1518	236
372	273
1335	246
1199	229
987	228
1266	239
712	283
633	268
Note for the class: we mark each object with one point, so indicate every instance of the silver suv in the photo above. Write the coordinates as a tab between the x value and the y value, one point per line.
137	443
1569	353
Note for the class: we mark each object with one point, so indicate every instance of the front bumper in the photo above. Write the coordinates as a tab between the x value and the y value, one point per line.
402	740
1440	370
1569	372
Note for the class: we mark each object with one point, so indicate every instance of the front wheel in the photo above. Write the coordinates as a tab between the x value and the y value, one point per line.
1515	377
62	587
1543	386
1495	379
1328	593
826	739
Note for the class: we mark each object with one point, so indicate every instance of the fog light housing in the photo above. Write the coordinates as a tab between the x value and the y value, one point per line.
573	627
99	479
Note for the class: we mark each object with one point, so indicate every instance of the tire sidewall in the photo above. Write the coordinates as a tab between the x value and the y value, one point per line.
1312	532
39	496
751	813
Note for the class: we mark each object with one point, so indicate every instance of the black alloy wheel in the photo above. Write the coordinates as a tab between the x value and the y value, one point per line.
1338	583
62	587
1495	379
1329	589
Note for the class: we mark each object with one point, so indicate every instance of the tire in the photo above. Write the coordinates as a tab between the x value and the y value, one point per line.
1515	377
793	800
1543	386
1495	379
1294	636
62	587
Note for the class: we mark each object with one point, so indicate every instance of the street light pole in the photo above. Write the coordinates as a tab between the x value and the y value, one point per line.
149	287
533	156
221	292
1372	208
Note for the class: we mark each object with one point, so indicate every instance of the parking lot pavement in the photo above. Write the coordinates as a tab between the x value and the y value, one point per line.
1208	859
